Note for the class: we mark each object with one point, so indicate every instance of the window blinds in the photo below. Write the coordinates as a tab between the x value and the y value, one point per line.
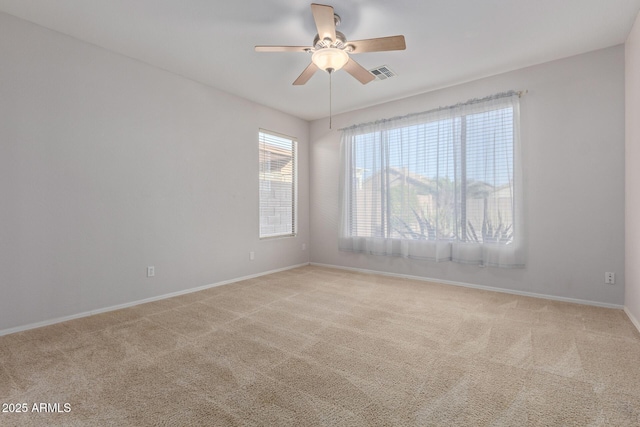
277	177
440	185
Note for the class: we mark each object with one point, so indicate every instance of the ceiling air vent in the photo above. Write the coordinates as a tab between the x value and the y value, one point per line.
382	72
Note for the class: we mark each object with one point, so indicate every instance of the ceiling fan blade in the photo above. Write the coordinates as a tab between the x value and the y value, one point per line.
283	48
378	45
325	22
306	74
358	71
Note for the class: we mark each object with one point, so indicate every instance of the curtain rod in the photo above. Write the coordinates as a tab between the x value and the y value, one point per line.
499	95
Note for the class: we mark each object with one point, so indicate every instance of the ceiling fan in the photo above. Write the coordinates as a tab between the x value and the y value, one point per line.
330	50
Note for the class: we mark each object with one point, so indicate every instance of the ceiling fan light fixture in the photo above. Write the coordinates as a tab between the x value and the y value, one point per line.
330	59
331	49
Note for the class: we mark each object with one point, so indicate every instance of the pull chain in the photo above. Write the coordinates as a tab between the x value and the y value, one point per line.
330	99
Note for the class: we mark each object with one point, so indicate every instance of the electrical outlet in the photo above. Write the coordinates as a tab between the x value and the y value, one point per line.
252	256
304	246
151	271
609	278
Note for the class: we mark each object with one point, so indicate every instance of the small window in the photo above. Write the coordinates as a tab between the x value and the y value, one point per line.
278	184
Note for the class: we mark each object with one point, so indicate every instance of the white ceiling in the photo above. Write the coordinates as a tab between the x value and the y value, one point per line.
448	41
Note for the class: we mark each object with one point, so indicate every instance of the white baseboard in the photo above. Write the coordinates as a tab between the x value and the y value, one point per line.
633	319
360	270
138	302
471	285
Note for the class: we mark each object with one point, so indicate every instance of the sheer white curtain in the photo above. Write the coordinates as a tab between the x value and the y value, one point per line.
444	185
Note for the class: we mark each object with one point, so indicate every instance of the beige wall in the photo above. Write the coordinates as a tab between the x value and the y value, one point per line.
573	150
632	171
108	165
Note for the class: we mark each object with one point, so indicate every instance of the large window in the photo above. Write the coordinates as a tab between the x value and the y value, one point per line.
441	185
278	164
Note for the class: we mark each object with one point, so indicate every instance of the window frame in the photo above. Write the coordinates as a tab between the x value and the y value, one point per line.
385	226
292	231
484	253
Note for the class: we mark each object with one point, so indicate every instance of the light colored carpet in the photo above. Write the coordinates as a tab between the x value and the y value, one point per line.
322	347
